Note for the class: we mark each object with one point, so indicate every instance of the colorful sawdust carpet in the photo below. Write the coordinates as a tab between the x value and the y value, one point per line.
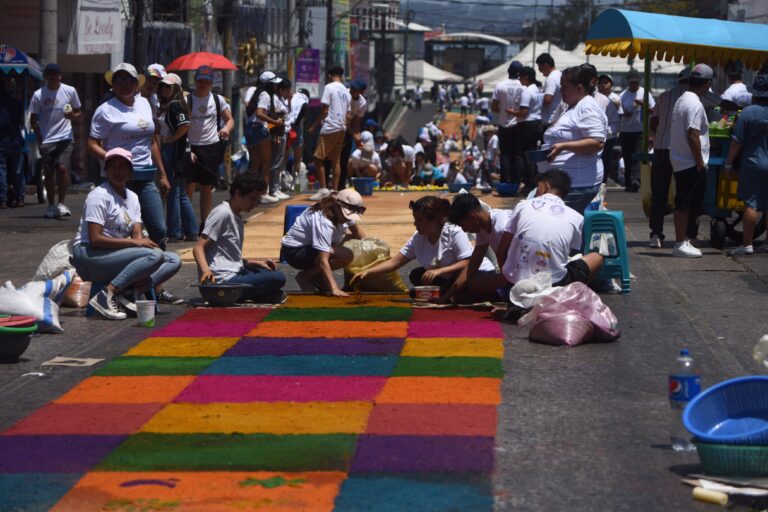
321	404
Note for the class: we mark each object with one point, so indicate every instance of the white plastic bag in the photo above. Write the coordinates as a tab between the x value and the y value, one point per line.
528	292
40	299
55	262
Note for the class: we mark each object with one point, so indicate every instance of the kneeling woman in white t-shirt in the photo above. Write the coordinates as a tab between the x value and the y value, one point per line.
313	244
110	244
219	251
442	249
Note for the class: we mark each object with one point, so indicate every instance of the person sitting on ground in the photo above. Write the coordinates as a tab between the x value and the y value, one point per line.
110	245
490	228
313	244
219	251
400	161
545	232
364	162
442	249
431	175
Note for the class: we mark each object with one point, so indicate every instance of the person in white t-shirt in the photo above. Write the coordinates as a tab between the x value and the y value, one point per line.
529	128
418	94
632	126
689	154
110	245
125	121
262	116
576	139
53	108
464	105
314	243
736	96
364	162
209	131
401	161
282	107
510	101
611	103
153	75
336	105
491	161
358	107
551	92
294	123
441	249
219	251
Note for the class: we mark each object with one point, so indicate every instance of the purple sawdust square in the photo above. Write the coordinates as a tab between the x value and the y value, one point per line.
316	346
197	329
54	454
403	454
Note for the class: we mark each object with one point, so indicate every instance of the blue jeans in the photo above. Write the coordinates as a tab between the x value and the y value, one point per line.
152	214
10	154
580	197
125	267
180	215
263	282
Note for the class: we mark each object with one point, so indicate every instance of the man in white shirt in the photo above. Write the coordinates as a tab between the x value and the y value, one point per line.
464	105
510	101
53	108
417	96
632	125
336	102
736	96
689	153
661	169
294	123
210	126
529	129
552	98
358	107
611	102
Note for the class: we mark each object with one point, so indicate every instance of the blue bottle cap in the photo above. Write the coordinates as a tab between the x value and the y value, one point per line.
684	352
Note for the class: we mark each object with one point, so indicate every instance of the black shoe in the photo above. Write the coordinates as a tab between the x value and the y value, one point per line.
166	297
127	301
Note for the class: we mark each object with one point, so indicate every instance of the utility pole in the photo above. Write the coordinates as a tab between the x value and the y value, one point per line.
329	36
290	44
49	37
382	51
405	48
535	31
301	7
227	15
138	36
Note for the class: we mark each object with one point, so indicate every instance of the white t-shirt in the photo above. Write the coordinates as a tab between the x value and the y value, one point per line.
499	222
297	101
611	112
510	93
358	107
483	103
313	228
545	231
339	102
225	255
585	120
464	101
452	246
49	106
736	93
264	102
492	149
117	125
632	120
551	88
534	106
358	159
107	208
203	130
688	113
409	155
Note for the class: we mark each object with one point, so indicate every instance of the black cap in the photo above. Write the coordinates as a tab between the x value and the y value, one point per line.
515	67
529	72
52	68
633	75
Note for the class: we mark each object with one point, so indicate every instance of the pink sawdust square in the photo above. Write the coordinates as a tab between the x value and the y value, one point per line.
85	419
477	329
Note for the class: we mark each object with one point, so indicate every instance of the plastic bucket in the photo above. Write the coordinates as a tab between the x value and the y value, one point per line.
364	186
145	312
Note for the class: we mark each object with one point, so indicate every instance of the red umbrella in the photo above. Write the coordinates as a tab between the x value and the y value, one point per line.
192	61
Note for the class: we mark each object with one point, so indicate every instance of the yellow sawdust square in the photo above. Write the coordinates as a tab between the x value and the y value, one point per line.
182	347
453	347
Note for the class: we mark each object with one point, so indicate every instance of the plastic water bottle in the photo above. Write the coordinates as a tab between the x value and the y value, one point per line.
303	178
684	385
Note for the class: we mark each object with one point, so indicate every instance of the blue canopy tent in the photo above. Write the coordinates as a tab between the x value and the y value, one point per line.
623	33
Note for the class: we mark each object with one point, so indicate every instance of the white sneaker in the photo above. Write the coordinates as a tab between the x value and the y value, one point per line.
320	195
104	302
741	251
268	199
656	242
685	250
281	195
63	210
52	212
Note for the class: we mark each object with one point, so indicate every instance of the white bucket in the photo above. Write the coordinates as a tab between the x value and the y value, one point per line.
145	311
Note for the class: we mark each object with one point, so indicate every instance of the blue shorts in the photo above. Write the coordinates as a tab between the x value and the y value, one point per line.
302	258
255	133
299	140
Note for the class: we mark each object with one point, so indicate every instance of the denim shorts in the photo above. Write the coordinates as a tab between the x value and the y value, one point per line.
255	133
302	258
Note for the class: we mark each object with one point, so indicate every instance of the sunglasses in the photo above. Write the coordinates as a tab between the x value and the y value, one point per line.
351	207
122	79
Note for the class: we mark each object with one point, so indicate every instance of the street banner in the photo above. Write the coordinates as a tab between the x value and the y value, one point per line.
308	70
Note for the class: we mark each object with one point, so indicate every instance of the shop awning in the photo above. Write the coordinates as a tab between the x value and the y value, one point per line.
623	33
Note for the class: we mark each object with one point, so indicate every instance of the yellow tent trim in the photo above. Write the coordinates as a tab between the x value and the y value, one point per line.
671	51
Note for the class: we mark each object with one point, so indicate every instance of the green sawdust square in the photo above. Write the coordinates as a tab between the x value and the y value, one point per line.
379	314
232	452
141	366
449	367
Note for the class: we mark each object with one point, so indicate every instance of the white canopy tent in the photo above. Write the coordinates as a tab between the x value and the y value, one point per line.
426	74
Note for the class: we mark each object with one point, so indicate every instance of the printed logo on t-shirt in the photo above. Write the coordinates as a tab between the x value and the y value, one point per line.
50	101
143	124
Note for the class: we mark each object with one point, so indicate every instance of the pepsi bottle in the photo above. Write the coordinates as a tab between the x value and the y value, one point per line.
684	385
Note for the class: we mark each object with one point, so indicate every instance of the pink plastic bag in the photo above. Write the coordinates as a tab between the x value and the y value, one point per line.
556	317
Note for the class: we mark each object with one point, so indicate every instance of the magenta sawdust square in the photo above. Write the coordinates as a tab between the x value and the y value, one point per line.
477	329
85	419
449	315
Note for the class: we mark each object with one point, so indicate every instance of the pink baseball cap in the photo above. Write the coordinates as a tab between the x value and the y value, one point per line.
118	152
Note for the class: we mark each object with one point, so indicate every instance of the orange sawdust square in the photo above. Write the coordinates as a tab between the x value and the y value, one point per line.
324	301
330	329
440	390
203	491
126	390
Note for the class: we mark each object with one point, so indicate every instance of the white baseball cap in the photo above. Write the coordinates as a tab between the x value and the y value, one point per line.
128	68
351	203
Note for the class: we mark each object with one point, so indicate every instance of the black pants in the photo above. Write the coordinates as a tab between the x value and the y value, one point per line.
629	141
661	176
528	135
690	186
443	282
511	155
607	158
